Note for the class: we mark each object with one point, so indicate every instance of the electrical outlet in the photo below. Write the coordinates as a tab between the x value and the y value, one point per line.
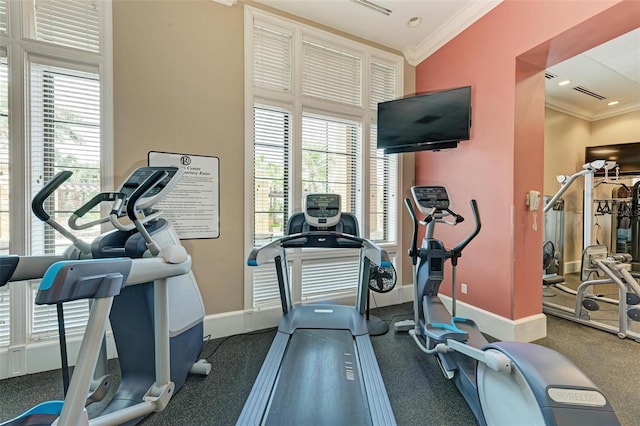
463	288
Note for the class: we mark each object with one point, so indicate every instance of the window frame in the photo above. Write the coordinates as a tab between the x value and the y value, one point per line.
23	49
298	105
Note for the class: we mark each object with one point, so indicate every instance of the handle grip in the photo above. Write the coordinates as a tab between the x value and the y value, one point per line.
88	206
37	205
413	250
476	217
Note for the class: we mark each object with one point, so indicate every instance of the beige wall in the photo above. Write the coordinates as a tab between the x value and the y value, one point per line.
179	87
565	139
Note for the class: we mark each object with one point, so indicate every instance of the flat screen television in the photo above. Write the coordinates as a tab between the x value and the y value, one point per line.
627	155
431	121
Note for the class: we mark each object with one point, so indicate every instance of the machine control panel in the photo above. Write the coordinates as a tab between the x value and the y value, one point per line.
429	197
322	210
155	194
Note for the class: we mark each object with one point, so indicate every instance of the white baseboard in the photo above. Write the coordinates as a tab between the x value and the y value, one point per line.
571	267
236	322
42	356
526	329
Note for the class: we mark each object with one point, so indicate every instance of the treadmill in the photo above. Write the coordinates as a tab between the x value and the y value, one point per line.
321	368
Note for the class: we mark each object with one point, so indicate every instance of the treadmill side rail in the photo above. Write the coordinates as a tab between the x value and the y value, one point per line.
256	404
379	404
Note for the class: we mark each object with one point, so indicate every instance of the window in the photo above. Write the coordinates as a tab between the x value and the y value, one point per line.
54	118
313	98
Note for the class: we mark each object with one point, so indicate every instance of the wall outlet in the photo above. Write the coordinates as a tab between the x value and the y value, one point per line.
463	288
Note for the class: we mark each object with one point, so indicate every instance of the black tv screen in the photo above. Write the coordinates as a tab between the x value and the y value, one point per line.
430	121
627	155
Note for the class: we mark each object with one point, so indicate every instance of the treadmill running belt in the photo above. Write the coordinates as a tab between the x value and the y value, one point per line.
319	382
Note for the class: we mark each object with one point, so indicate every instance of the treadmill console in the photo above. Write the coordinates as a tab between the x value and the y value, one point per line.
430	197
322	210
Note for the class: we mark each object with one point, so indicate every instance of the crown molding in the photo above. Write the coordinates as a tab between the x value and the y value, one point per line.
226	2
449	30
583	114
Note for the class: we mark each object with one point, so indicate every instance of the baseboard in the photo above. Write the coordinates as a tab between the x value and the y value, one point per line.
571	267
237	322
526	329
42	356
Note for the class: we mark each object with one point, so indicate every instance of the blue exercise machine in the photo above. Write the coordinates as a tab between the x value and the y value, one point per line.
156	317
503	383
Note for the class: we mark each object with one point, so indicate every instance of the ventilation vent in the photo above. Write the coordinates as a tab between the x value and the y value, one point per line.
589	92
549	76
373	6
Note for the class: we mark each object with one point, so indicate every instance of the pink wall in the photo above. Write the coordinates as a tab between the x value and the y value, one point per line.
503	56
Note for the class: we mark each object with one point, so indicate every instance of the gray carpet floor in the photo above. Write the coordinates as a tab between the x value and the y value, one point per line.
419	393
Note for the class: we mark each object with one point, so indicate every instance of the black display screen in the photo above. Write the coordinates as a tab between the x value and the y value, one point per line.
431	121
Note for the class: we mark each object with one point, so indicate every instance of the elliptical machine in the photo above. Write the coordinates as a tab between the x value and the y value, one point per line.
156	319
503	382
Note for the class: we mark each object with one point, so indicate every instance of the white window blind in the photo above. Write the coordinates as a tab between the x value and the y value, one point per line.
3	16
383	169
4	154
320	277
44	319
70	23
5	317
311	134
65	135
329	157
331	74
271	173
272	56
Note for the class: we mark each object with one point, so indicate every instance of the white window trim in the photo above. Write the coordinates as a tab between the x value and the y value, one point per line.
23	356
290	100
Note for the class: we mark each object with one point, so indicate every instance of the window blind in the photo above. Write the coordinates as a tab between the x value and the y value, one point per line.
271	173
4	155
331	74
309	125
329	157
5	317
322	277
4	18
383	169
272	56
65	135
70	23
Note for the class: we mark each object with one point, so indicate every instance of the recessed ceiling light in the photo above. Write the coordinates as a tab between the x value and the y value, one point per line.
414	22
612	103
564	82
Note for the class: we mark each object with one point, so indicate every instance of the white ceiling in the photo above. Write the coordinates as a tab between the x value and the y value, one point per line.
611	71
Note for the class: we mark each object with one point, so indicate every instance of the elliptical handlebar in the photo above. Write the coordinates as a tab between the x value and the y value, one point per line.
413	249
153	180
37	205
86	208
457	250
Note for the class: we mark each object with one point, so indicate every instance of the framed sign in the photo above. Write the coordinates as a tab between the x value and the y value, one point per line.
193	207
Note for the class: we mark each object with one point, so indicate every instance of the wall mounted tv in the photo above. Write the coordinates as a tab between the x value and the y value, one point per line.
431	121
627	155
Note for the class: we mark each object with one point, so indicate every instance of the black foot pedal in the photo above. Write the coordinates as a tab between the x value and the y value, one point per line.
633	314
633	299
590	305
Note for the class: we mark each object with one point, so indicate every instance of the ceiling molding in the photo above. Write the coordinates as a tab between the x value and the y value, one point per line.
226	2
449	30
582	114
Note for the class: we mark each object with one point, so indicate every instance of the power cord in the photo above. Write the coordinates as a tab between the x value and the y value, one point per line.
208	337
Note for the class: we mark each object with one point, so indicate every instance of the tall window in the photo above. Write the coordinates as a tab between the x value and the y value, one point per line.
54	118
312	129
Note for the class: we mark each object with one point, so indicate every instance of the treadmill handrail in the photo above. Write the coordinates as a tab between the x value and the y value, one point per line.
269	251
